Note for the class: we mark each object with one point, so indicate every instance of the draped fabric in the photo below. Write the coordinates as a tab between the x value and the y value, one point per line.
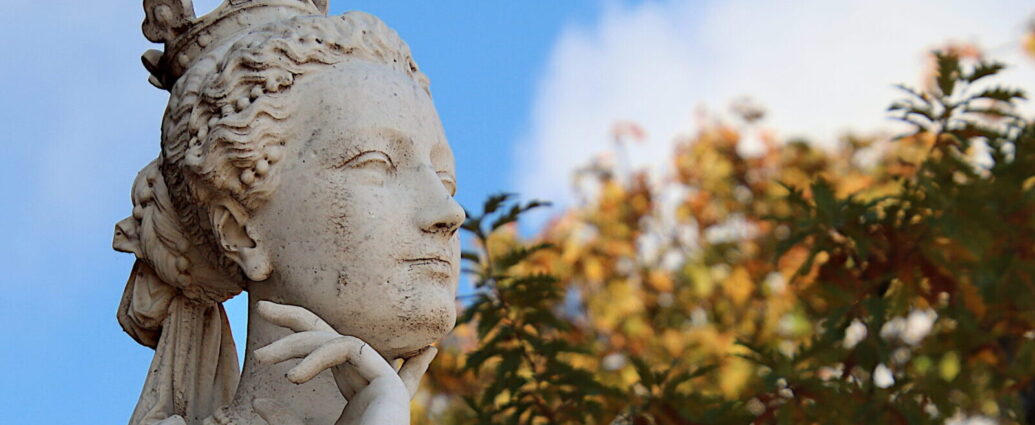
194	370
173	304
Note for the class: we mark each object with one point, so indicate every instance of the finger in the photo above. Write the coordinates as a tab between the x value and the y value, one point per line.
349	381
292	317
293	346
273	412
344	349
413	370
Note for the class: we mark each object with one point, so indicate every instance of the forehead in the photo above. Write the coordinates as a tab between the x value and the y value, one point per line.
354	101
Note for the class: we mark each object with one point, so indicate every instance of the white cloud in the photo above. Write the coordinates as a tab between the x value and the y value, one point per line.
819	67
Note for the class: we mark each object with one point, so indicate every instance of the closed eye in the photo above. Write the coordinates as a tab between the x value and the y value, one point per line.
448	181
370	159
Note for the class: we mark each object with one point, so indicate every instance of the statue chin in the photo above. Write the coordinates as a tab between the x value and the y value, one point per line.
305	150
404	336
408	348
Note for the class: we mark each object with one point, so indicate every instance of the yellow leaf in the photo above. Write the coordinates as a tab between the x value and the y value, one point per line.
660	281
701	280
593	269
674	342
949	367
734	375
739	286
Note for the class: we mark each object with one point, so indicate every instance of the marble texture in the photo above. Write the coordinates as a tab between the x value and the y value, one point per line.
302	160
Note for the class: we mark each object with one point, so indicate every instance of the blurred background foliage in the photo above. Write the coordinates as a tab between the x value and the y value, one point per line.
886	281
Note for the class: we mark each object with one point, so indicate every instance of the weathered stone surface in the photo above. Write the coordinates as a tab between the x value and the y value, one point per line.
303	162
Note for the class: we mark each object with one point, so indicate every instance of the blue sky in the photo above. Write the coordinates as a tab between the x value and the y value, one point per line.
79	121
526	91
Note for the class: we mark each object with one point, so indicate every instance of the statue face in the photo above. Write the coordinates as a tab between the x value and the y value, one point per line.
361	229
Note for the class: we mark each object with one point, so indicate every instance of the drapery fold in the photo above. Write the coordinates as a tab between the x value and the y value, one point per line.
195	369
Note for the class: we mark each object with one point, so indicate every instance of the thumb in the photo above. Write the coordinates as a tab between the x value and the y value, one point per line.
413	369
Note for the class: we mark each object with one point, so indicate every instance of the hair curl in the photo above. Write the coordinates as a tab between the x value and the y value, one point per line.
222	138
222	133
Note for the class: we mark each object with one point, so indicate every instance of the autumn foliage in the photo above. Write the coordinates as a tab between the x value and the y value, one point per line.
887	281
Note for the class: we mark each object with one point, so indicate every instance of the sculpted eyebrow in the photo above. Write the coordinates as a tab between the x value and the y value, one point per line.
399	140
355	142
398	144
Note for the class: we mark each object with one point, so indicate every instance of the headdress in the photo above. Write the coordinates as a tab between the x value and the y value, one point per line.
186	37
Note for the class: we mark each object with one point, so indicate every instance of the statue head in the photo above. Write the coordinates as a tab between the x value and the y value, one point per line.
303	160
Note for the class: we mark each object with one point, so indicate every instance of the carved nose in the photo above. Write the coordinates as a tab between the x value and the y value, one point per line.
444	216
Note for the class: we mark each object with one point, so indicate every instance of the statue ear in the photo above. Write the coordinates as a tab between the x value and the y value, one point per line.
230	223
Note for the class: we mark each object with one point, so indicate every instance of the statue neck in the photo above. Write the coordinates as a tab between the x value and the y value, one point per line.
317	401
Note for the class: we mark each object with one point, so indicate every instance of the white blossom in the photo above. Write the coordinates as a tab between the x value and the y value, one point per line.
911	329
931	410
613	361
755	407
775	283
918	325
893	329
854	333
959	419
882	376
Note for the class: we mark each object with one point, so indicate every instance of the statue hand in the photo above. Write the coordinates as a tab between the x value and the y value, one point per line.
376	393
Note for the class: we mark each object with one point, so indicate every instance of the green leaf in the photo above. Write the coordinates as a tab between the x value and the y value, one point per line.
793	240
643	369
476	359
982	70
494	202
509	364
515	211
1000	94
685	376
471	256
991	111
488	321
948	72
826	202
519	254
474	225
908	109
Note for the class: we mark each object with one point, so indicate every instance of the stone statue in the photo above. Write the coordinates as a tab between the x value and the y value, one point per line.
302	160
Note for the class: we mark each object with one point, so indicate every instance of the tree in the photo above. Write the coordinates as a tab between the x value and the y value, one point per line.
882	282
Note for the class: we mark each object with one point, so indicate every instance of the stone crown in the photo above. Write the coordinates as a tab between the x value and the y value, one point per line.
187	37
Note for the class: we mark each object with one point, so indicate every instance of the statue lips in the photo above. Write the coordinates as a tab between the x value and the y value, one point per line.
437	266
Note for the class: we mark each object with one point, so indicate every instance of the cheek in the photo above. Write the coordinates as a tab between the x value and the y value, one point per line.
355	234
362	232
360	218
341	215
